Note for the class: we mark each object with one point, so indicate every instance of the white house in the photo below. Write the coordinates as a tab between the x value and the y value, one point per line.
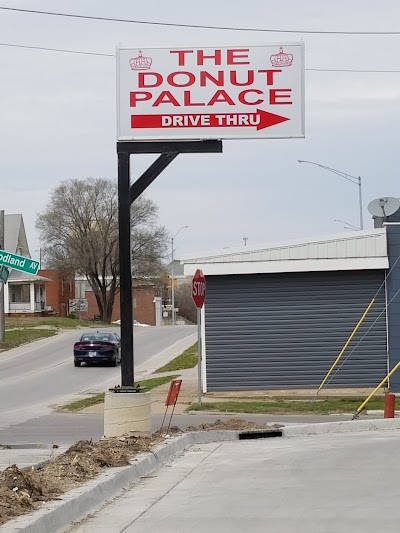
24	293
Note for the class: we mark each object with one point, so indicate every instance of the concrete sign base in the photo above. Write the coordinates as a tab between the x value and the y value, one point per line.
127	413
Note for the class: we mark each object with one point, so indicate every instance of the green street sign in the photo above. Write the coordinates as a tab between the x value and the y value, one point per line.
4	273
18	262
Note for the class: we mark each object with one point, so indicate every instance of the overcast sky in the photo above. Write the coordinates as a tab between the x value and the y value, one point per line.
57	113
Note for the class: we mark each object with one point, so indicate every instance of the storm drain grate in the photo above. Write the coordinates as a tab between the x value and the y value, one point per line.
246	435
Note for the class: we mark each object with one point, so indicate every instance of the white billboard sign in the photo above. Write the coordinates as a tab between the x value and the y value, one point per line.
78	304
230	92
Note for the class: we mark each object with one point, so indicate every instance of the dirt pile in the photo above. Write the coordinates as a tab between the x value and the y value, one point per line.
236	424
172	430
22	491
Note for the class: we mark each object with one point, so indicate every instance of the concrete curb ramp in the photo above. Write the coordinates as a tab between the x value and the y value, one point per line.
58	516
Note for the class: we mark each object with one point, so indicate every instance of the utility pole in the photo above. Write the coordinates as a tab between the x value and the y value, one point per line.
172	283
245	240
172	275
2	318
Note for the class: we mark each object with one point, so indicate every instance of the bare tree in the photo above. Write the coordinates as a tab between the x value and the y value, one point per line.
79	229
185	303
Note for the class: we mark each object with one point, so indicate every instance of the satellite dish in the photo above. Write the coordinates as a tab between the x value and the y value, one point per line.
384	206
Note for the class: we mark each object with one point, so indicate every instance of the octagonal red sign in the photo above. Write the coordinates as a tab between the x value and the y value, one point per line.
199	288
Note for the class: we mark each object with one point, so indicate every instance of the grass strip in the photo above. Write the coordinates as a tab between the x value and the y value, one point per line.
53	321
78	405
17	337
284	406
94	399
187	359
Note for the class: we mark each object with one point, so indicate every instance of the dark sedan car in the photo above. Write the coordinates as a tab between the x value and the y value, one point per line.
98	347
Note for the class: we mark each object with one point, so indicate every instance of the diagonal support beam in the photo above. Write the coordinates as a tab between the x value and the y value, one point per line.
150	175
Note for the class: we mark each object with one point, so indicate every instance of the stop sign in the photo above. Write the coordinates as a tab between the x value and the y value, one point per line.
199	288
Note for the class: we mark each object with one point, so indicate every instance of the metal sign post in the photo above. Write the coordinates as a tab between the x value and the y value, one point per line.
172	101
172	398
199	357
199	295
127	194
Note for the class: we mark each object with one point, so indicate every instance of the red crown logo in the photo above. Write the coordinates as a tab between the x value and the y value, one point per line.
281	59
140	62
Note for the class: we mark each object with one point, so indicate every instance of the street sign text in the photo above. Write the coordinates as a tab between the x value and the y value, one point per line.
18	262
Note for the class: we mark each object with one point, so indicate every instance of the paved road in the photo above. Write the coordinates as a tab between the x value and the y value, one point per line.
327	483
35	377
65	429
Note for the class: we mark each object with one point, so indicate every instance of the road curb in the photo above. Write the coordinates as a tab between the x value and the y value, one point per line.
350	426
57	516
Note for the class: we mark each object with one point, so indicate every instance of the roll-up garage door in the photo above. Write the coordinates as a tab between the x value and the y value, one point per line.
282	331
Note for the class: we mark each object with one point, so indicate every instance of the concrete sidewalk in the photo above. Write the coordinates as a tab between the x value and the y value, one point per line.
27	454
331	483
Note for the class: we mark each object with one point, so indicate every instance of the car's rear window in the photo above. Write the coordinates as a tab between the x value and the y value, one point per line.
89	337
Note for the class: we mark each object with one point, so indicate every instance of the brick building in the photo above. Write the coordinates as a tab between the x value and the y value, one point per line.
60	288
142	298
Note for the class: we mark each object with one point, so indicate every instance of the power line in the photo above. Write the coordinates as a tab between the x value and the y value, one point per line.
358	71
56	50
198	26
86	53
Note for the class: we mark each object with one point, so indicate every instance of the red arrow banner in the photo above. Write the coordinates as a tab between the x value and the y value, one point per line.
259	120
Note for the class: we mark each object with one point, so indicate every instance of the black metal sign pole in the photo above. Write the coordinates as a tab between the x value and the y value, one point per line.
125	270
127	194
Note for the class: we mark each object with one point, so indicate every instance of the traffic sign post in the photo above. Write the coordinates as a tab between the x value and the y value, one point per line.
199	295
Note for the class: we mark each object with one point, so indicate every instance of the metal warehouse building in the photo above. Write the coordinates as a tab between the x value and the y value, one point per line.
277	317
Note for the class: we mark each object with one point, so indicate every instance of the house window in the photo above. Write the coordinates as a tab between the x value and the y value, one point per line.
20	294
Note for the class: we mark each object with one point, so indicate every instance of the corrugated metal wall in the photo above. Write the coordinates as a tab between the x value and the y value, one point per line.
281	331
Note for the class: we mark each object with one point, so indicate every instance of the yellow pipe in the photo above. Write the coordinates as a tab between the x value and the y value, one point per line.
347	343
378	387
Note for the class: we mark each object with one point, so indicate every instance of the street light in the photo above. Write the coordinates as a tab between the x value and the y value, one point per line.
353	179
347	224
172	274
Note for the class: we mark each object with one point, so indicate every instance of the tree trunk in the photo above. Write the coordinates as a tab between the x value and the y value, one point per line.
105	300
110	304
99	293
100	302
